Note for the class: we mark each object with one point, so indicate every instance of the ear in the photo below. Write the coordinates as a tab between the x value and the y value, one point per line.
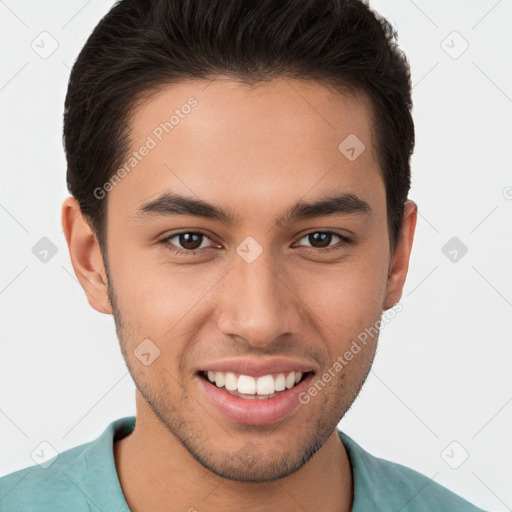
400	261
85	254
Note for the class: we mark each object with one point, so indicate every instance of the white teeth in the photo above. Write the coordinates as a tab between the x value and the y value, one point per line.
280	383
245	384
265	385
219	379
290	380
231	381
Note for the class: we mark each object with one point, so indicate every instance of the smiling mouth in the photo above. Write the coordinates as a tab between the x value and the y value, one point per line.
254	388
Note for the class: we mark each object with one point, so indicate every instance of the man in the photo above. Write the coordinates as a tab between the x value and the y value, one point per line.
239	175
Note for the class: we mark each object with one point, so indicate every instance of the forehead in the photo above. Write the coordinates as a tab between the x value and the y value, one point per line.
249	146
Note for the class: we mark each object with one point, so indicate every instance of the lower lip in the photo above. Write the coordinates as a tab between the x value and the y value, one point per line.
255	411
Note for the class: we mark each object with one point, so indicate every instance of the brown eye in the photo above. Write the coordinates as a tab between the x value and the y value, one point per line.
323	239
319	239
187	242
190	241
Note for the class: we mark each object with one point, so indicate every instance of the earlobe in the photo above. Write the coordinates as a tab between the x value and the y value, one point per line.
85	255
400	262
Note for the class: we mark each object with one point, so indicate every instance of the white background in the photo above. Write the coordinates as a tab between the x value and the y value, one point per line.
443	368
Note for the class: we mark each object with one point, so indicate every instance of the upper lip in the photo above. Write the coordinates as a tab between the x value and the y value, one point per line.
259	367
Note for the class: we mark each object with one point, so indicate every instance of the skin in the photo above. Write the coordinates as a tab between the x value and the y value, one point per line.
255	151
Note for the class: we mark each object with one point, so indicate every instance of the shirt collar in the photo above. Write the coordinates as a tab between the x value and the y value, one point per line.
103	489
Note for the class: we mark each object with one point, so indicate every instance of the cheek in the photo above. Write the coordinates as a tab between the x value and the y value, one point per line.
348	292
346	302
159	298
157	295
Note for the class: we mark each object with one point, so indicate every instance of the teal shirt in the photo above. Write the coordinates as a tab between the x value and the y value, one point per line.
84	479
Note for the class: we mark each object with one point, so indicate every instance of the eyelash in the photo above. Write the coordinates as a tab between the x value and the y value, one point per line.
345	241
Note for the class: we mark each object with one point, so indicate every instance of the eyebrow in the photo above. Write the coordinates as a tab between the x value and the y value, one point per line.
169	204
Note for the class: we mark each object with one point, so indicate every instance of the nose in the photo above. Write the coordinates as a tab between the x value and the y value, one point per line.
259	303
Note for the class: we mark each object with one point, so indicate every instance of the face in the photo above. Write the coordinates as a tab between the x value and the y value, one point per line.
269	279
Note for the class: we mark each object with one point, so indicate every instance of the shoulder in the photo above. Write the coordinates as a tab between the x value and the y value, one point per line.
38	488
378	481
80	479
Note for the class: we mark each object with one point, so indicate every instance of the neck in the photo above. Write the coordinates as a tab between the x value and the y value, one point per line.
158	473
